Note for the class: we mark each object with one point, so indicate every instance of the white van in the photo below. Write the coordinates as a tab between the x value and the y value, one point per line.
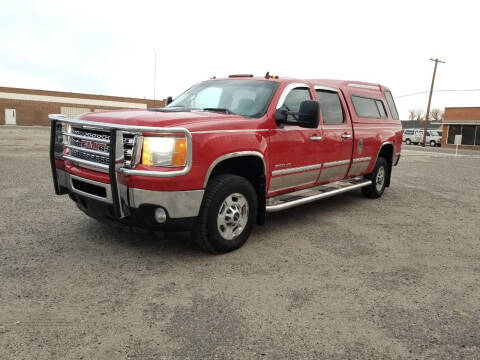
415	136
412	136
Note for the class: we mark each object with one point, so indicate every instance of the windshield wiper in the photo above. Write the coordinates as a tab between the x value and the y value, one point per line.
224	110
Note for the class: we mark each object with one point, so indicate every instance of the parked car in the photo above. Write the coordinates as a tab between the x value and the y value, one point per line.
411	136
415	136
434	138
225	153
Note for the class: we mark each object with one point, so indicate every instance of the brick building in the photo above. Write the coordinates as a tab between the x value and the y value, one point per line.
31	107
463	121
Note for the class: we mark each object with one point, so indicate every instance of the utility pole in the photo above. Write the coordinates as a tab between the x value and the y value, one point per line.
430	99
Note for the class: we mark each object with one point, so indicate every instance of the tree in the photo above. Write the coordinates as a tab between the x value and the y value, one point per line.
412	114
419	114
436	114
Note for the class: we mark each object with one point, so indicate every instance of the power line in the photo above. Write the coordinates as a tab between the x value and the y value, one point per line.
425	92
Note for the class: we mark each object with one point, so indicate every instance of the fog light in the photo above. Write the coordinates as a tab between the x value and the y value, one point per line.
160	215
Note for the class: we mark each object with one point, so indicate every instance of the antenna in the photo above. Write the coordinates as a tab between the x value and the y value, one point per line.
155	76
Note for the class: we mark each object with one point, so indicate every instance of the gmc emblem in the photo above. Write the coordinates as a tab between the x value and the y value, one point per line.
90	145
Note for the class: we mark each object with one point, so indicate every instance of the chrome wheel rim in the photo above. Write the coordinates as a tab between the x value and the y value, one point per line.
380	178
232	216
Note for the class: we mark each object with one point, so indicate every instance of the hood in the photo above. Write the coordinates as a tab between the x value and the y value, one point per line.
193	121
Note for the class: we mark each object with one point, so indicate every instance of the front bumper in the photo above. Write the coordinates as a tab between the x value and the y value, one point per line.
177	204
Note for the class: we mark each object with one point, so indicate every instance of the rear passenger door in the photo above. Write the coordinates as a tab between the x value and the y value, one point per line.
337	142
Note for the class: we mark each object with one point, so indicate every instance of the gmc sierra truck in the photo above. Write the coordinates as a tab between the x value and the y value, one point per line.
225	153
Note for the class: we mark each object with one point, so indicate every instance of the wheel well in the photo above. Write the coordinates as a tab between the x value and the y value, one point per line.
253	169
387	153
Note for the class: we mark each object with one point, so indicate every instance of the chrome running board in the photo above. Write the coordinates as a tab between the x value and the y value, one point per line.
286	201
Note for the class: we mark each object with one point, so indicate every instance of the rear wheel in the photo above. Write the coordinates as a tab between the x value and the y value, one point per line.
227	215
433	143
378	177
408	141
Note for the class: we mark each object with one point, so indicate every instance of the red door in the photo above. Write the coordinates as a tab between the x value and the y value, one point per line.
337	139
294	150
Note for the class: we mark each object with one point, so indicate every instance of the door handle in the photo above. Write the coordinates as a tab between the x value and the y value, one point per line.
346	136
315	138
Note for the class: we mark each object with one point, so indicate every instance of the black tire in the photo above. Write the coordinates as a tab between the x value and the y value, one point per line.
433	143
373	191
408	141
208	234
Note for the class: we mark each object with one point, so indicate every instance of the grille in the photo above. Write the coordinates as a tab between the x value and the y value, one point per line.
96	145
94	134
104	160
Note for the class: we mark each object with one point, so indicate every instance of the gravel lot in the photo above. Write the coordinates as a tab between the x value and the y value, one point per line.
346	277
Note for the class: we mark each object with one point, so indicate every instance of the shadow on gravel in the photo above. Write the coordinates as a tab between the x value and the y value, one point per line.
175	244
180	243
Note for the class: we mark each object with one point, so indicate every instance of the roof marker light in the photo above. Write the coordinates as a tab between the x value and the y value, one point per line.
268	76
240	75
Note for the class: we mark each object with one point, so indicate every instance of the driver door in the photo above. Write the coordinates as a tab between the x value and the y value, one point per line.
294	150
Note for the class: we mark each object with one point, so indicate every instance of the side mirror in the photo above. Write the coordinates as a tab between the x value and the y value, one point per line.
307	116
169	100
281	117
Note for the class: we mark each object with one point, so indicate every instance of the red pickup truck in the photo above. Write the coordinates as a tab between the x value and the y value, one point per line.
225	153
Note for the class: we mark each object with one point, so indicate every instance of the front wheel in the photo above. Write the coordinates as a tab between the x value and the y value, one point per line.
378	177
408	141
433	143
228	212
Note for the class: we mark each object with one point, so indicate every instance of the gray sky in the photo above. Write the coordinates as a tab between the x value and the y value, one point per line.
107	47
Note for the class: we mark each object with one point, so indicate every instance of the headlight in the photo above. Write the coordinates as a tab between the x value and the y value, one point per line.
164	151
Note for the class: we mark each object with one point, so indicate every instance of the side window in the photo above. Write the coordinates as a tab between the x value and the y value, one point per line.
365	107
391	105
368	107
331	107
381	108
293	100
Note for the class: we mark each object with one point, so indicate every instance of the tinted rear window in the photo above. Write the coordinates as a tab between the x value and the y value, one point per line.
368	107
331	107
381	108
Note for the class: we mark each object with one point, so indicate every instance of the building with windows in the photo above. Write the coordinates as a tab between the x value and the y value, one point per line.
463	121
31	107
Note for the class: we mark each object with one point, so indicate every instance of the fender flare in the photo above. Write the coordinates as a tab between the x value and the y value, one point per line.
231	155
387	143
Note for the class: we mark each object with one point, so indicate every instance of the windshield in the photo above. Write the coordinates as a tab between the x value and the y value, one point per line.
249	98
